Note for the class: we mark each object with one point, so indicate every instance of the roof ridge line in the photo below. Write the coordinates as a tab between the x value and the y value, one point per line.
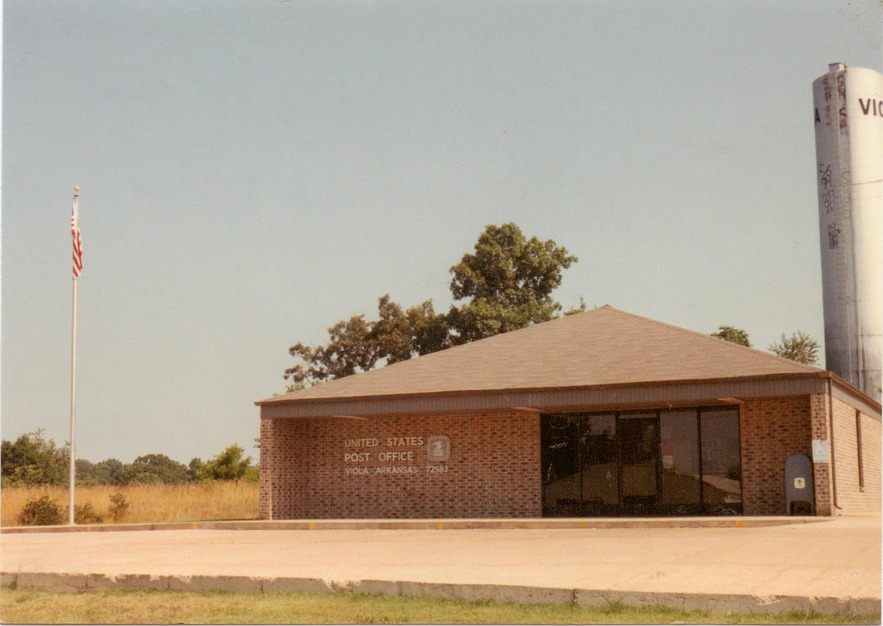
771	355
504	334
448	349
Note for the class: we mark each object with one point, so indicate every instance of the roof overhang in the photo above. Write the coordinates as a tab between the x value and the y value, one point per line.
728	391
842	390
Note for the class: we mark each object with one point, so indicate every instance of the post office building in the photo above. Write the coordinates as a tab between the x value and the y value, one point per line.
601	413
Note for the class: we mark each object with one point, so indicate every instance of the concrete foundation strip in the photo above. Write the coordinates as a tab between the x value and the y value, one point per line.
432	524
712	603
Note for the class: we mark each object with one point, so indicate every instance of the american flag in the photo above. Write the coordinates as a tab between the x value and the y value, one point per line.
78	246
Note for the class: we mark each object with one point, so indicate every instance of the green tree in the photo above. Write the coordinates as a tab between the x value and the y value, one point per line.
580	308
504	285
157	468
107	472
195	467
32	459
228	465
86	474
507	283
733	335
358	345
111	472
798	347
400	335
348	351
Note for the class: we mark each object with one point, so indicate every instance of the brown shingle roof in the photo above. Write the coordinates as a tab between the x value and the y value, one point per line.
601	347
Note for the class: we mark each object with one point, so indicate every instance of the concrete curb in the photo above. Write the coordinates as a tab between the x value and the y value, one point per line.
712	603
435	524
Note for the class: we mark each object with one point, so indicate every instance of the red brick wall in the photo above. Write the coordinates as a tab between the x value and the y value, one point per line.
282	469
493	469
771	431
821	420
851	497
494	464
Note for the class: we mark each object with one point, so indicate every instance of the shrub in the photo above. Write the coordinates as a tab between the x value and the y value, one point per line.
41	512
118	506
228	465
85	514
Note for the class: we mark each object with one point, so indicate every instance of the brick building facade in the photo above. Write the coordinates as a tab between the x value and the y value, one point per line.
494	458
600	413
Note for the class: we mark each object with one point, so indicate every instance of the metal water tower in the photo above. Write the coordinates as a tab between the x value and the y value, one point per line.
849	157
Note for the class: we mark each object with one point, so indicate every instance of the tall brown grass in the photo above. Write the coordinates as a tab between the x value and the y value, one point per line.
222	500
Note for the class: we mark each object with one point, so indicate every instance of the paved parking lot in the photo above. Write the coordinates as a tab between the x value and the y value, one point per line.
834	558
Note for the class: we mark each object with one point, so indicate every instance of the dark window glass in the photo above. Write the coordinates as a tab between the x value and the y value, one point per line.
679	451
721	458
680	462
560	462
599	463
638	453
638	433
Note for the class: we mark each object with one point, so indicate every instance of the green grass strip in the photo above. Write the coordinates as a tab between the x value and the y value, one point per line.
163	607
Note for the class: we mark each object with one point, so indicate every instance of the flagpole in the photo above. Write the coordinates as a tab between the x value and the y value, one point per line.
73	456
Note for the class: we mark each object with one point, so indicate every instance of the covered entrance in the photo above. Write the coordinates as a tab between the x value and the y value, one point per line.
674	462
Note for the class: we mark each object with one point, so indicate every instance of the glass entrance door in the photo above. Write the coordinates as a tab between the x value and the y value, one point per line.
639	463
598	464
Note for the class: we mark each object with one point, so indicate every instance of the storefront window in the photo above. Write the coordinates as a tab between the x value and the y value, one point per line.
721	461
677	462
639	467
559	440
679	449
599	463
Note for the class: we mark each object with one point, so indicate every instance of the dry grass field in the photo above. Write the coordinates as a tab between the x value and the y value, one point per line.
225	500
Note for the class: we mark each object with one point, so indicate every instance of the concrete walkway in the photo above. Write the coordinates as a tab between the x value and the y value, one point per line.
832	565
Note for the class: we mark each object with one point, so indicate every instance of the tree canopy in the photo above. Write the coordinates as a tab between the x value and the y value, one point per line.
504	284
228	465
733	335
157	468
106	472
357	345
798	347
33	459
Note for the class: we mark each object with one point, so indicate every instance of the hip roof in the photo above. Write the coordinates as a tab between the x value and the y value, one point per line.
601	349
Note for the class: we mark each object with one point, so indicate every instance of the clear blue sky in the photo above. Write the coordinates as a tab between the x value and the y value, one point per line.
252	172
